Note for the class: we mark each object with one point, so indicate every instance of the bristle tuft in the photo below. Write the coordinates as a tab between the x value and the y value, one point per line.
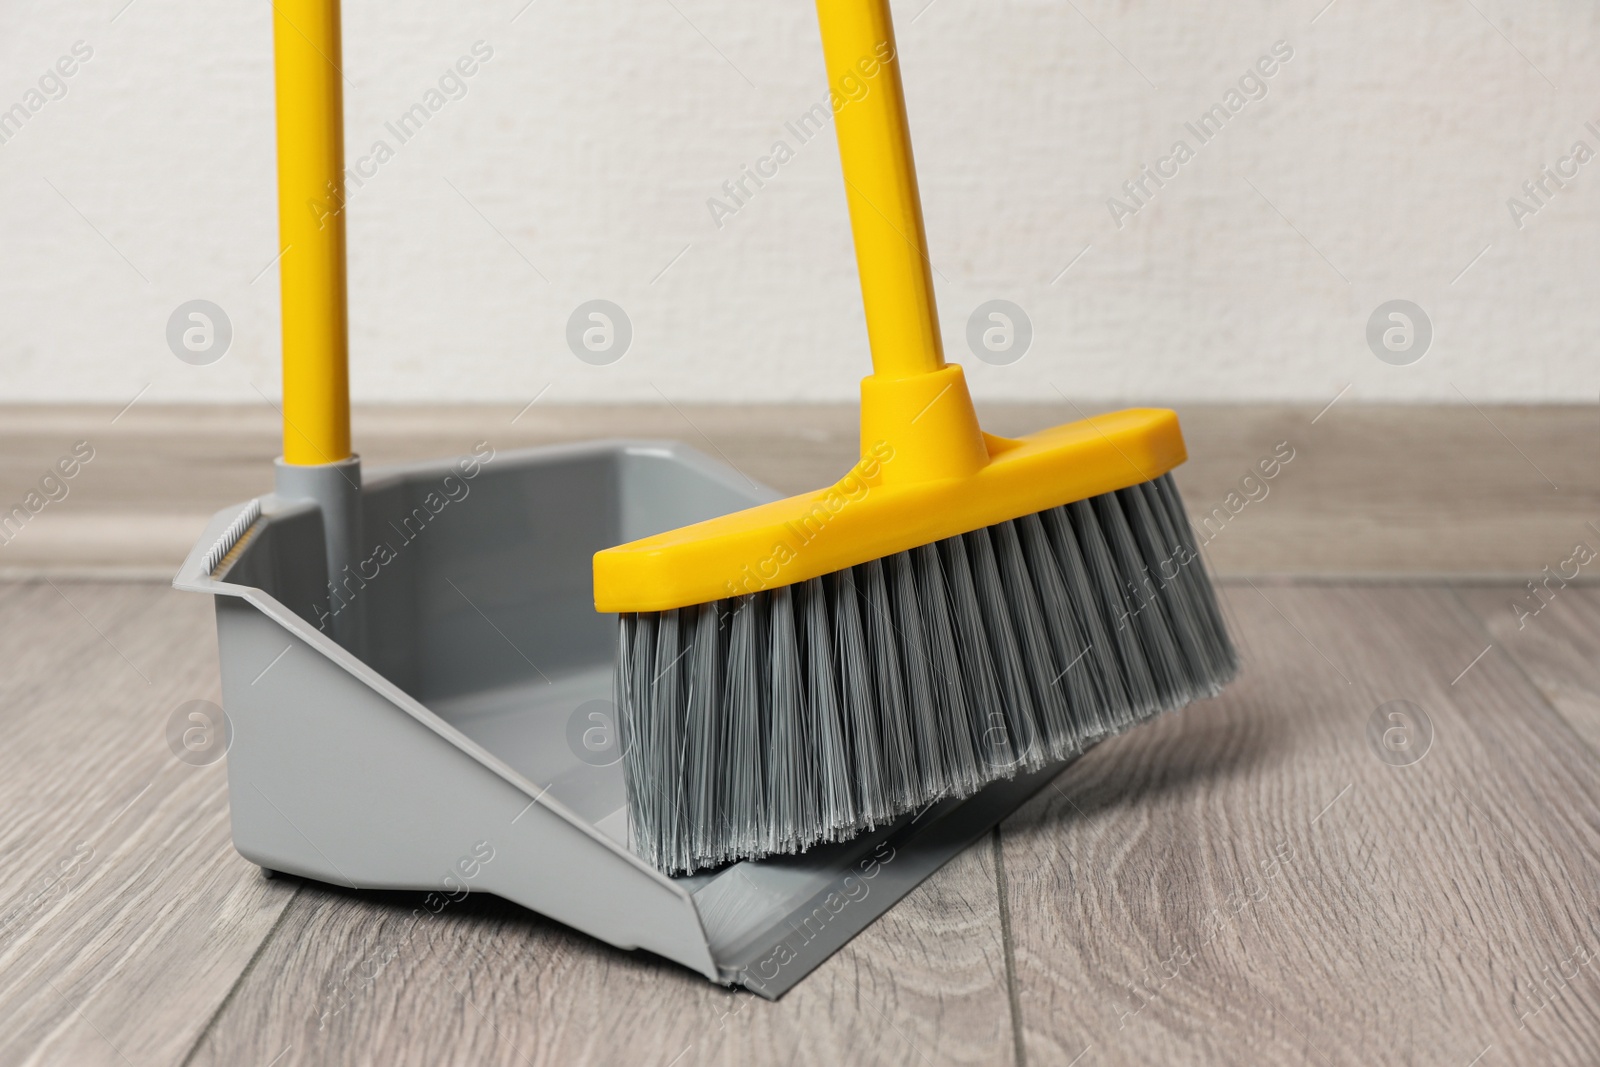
770	723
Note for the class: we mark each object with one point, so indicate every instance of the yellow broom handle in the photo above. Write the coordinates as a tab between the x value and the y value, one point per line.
316	390
881	184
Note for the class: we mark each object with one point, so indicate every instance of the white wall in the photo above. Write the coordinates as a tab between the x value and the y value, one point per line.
597	132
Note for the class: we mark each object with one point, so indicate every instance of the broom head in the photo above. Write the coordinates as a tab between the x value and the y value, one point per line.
957	608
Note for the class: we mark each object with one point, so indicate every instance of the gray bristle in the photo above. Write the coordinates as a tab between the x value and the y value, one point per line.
772	722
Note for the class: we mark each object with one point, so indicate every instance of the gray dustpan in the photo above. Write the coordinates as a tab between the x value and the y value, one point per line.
459	735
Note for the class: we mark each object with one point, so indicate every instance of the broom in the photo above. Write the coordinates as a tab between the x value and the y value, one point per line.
957	609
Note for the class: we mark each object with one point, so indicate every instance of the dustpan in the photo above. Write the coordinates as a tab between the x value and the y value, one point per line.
447	753
418	687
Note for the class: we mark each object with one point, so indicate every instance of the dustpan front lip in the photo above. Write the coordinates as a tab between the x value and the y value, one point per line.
772	960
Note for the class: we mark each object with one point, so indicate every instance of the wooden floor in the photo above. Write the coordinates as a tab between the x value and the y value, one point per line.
1262	878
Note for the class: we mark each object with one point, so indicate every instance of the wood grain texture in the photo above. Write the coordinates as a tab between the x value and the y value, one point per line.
1372	490
1393	490
127	914
1249	882
1553	634
357	978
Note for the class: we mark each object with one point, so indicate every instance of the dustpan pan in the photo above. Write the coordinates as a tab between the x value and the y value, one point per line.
449	755
418	687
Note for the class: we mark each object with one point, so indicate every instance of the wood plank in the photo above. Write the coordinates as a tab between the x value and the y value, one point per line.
1249	882
127	915
1391	490
1372	490
1554	635
356	976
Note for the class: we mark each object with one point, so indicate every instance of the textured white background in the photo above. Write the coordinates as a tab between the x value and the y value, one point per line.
594	137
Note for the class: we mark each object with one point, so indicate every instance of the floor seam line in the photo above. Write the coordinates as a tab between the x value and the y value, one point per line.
1013	994
238	982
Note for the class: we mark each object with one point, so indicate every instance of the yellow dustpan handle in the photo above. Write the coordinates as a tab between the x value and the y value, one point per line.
881	183
316	392
914	407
